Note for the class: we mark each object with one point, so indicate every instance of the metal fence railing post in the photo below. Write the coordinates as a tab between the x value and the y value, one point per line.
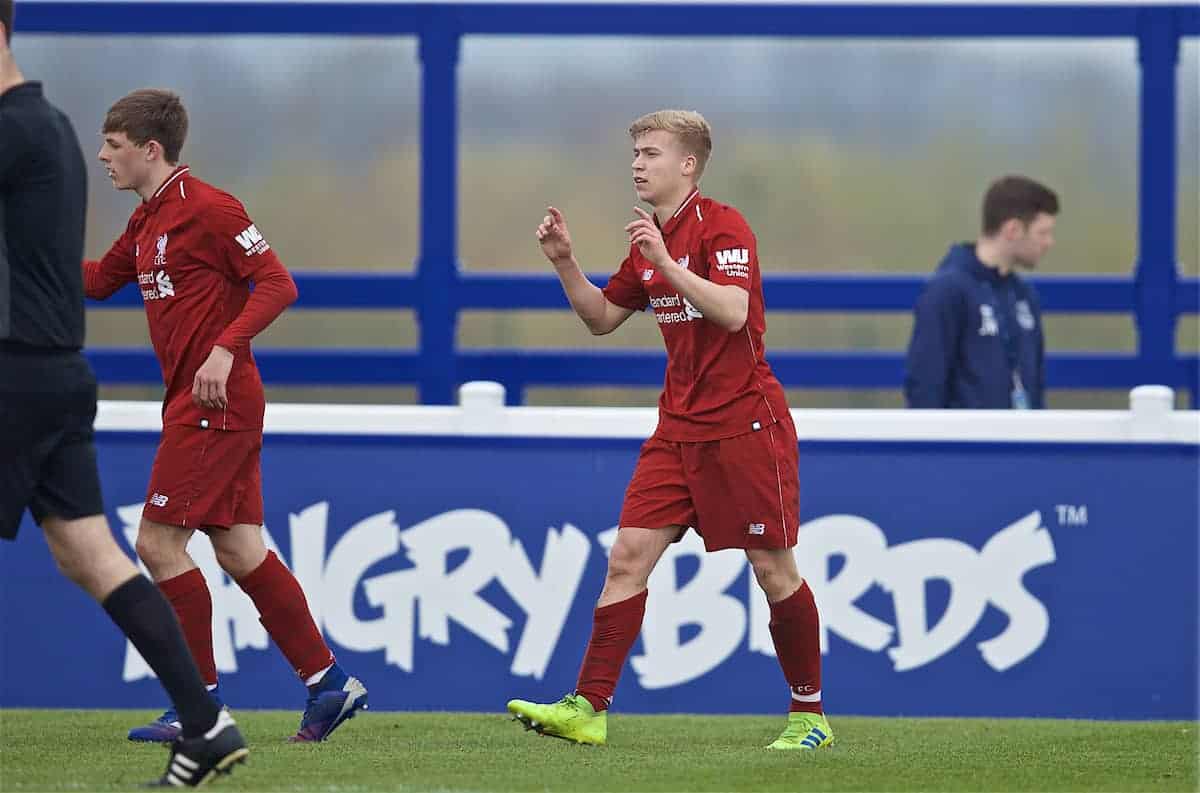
1158	56
437	266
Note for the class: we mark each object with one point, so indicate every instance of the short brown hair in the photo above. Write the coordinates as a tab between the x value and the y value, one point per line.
1016	197
687	125
6	18
150	114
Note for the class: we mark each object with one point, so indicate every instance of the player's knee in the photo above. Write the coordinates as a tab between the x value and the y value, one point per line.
776	574
238	561
625	561
763	572
158	552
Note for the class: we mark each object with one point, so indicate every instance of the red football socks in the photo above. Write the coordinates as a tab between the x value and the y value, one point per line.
795	627
283	611
614	629
192	602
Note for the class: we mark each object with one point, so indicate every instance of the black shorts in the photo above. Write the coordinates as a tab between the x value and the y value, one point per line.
47	459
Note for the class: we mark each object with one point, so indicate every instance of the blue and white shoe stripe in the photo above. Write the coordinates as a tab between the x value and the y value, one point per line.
814	738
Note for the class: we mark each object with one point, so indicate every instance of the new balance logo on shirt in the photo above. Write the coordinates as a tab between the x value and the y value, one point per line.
251	240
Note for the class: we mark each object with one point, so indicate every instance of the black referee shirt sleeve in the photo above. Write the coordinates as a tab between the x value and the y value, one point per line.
12	145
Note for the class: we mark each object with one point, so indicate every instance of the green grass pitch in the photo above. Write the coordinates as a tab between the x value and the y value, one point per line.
87	750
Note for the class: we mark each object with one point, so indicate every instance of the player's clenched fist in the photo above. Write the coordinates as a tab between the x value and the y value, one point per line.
554	238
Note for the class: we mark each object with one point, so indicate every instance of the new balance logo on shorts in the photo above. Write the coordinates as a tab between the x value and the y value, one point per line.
159	500
758	528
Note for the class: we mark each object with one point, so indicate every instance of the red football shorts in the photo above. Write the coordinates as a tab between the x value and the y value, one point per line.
206	478
739	492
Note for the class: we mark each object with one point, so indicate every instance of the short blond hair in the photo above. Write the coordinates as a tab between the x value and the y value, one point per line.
687	125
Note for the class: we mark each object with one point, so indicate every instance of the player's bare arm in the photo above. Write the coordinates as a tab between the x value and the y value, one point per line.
726	305
599	314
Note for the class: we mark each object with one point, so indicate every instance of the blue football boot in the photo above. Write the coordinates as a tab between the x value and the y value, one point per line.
334	699
167	727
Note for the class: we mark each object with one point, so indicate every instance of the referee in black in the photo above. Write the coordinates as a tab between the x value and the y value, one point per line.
48	404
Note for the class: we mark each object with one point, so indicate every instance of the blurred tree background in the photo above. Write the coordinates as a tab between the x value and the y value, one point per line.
845	156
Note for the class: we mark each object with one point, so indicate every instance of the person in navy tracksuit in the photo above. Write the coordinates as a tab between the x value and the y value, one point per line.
977	338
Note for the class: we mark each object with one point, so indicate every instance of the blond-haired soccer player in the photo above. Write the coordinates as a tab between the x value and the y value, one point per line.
723	459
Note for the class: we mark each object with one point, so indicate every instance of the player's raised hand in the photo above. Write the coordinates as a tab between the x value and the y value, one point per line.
644	233
554	238
208	386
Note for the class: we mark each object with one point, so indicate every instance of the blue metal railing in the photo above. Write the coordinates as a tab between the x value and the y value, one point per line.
1156	296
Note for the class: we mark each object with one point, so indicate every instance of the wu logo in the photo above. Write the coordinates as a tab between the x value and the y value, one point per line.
734	256
249	238
160	258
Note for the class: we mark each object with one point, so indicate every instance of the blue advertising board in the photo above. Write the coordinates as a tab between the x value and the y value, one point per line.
452	573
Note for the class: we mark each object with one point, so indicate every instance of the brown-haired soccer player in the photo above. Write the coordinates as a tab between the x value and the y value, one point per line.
194	253
48	406
723	459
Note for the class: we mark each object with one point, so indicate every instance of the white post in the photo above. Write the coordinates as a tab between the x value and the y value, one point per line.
1150	409
482	406
481	395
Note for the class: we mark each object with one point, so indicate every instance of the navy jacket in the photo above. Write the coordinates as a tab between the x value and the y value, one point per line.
974	328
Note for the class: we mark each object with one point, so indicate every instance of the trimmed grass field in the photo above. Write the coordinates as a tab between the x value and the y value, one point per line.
87	750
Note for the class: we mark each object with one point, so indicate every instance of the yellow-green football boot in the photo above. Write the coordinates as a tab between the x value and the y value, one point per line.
572	718
804	731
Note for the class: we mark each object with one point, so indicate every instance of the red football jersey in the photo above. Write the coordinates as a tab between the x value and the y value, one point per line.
193	251
718	384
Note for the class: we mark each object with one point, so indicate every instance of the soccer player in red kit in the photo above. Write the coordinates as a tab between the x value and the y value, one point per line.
194	253
723	459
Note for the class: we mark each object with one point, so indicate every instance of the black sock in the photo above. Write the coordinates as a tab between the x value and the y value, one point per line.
145	616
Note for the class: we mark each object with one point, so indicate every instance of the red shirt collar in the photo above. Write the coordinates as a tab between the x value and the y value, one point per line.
165	190
677	218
